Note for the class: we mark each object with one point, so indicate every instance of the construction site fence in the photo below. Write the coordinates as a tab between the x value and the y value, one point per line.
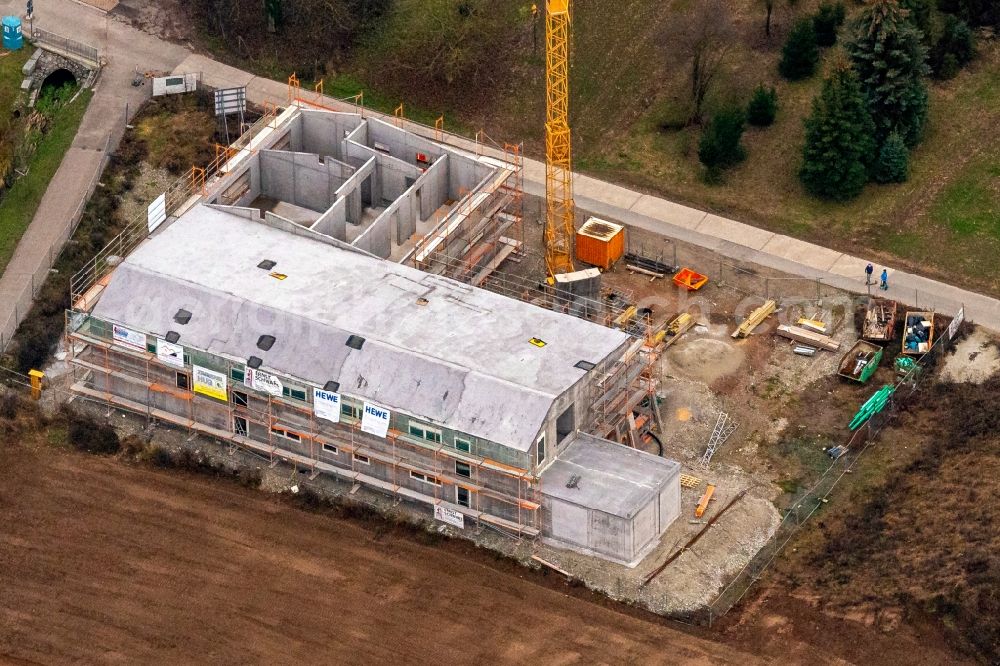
813	499
51	40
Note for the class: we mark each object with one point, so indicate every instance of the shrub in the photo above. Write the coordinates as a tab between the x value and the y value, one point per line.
720	147
826	22
973	12
88	434
893	161
954	48
800	54
948	68
763	106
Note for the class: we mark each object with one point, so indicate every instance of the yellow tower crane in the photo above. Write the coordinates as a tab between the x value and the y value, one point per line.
559	219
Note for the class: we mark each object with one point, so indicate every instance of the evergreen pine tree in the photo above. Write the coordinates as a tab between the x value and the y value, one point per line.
893	161
800	54
763	106
827	21
840	139
890	59
920	15
720	146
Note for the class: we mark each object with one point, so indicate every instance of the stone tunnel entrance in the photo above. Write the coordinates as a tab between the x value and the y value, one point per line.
59	78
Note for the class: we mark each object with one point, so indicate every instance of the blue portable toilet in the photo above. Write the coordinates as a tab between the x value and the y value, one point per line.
12	38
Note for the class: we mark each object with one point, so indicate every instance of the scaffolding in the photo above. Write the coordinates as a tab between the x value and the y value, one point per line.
295	436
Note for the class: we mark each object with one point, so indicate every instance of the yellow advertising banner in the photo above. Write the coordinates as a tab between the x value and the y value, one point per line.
210	383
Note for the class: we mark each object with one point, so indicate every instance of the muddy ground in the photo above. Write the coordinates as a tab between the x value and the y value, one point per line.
107	561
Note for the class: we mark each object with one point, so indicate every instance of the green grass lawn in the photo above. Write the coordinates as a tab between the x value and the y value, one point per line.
11	63
19	203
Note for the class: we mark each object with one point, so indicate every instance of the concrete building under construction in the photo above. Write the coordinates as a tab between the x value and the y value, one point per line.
314	301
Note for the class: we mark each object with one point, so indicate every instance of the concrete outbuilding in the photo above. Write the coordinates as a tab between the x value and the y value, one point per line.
603	498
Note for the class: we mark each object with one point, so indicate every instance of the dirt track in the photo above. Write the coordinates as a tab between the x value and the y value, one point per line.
104	562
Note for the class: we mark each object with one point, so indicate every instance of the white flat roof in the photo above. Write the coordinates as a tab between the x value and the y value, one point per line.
434	347
606	476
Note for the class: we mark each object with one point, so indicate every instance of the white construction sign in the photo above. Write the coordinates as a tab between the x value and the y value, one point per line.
128	337
450	516
156	213
375	420
173	85
169	353
326	405
955	323
264	382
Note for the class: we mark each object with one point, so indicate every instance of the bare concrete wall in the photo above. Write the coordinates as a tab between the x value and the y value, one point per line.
351	190
334	221
433	186
323	132
400	144
464	174
302	178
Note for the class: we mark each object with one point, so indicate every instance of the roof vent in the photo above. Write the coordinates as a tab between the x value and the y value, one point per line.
254	362
267	264
182	317
265	342
172	337
331	386
584	365
355	342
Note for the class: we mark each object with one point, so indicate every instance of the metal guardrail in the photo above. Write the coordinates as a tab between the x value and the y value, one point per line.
66	45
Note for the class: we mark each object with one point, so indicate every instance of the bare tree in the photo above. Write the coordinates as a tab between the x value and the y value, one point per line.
769	6
700	41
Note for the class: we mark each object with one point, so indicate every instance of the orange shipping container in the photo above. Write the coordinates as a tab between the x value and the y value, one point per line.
600	243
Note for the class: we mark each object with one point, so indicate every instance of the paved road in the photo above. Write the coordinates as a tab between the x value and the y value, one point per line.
104	119
127	47
727	237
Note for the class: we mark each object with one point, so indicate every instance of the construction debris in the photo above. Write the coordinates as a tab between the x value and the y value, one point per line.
548	564
724	427
861	362
677	553
699	510
809	338
675	328
639	264
755	319
813	324
804	350
880	320
688	481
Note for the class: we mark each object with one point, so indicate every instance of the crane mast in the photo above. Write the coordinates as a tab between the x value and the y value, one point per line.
559	220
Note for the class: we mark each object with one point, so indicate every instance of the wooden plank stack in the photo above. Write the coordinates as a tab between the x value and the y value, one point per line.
755	318
807	337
